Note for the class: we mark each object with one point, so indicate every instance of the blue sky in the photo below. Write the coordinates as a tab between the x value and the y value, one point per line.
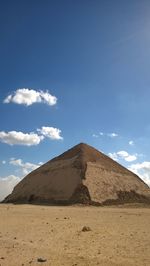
70	72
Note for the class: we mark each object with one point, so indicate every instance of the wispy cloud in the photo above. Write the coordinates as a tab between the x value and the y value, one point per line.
24	167
112	135
124	155
142	170
95	135
7	184
28	97
101	134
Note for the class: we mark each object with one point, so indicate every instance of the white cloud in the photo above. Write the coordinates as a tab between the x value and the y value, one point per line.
27	97
20	138
130	158
112	135
50	132
29	139
101	133
48	98
25	168
3	162
7	184
143	170
123	155
131	142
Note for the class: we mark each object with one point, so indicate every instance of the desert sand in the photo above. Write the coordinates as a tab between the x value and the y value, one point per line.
118	235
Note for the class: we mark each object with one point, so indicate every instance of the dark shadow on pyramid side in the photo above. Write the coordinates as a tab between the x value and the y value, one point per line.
80	175
81	195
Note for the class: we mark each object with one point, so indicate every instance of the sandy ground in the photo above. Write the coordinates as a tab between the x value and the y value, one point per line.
118	236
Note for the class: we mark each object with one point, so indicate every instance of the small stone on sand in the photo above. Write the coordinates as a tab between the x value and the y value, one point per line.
86	229
41	260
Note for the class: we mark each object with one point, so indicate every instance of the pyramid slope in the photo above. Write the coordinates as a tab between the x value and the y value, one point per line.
81	174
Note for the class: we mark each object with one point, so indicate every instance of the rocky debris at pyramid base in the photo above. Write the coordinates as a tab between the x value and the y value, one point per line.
128	197
81	175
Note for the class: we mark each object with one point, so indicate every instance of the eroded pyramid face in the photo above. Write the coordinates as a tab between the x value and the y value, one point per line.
80	175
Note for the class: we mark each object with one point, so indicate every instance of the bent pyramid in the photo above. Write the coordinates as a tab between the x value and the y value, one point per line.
80	175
